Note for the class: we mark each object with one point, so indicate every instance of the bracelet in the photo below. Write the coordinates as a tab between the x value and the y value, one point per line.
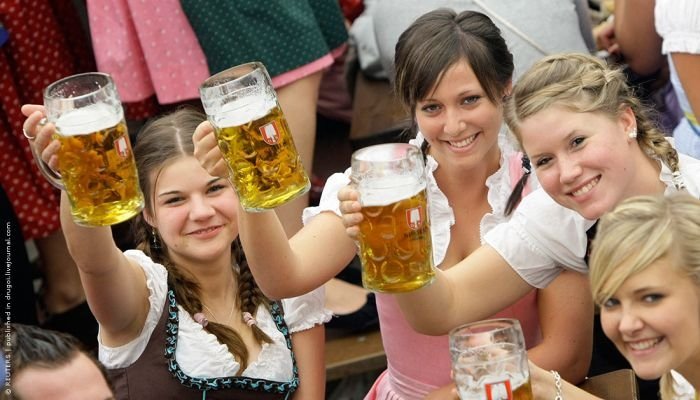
557	385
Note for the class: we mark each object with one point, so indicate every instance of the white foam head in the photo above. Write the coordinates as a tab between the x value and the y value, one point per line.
242	111
386	190
85	120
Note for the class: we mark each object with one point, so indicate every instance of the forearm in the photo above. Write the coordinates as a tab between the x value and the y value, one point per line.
636	34
566	322
92	248
473	289
544	387
288	268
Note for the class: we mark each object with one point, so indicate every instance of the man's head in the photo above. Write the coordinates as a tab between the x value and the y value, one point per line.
50	365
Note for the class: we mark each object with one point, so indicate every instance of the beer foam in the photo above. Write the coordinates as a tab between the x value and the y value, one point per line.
241	111
86	120
387	190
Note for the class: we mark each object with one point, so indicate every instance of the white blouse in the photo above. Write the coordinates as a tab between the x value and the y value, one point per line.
198	352
442	217
542	236
684	390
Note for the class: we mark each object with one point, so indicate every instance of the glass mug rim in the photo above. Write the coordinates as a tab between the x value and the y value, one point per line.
224	77
501	323
363	152
108	83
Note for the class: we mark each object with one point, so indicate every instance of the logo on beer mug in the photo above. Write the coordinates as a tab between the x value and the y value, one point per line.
122	147
269	133
498	391
414	217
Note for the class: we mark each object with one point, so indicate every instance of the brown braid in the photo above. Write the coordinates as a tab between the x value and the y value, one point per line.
159	142
249	294
584	83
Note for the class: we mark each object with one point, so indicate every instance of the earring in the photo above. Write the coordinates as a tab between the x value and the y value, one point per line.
633	133
155	242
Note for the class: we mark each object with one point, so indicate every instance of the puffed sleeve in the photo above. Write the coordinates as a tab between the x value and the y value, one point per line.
541	238
156	282
306	311
678	22
329	196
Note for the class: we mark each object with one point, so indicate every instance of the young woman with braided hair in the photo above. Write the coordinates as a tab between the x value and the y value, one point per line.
592	145
181	316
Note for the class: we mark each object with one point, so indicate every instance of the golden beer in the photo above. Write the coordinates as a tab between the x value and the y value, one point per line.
99	172
264	165
395	244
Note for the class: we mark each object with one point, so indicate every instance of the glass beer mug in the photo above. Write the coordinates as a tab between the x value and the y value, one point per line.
395	241
489	361
252	133
96	165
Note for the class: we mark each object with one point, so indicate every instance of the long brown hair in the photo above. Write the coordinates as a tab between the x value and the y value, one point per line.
440	39
160	141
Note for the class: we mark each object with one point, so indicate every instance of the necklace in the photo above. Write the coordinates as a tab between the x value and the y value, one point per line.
214	316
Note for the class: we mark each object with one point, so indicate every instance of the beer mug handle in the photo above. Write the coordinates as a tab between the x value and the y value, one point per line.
53	177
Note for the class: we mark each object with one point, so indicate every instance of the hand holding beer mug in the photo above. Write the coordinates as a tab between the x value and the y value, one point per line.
253	136
489	361
96	166
395	241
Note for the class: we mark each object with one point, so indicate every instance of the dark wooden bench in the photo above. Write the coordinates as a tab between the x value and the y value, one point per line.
354	354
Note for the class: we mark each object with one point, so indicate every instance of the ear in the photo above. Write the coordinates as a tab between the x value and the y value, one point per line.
627	120
508	90
148	217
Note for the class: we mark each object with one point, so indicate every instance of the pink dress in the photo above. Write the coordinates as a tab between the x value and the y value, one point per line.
419	364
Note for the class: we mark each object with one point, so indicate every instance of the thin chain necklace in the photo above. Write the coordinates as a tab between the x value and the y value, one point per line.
233	306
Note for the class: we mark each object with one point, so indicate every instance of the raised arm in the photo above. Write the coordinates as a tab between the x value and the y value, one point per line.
566	321
474	289
639	43
687	66
283	268
115	288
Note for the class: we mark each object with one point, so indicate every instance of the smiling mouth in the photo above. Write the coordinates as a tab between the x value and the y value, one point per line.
643	344
205	230
464	142
587	188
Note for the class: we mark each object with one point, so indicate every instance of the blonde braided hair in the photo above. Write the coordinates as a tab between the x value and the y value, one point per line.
584	83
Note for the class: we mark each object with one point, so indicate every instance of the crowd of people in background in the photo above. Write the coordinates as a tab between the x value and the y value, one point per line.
558	137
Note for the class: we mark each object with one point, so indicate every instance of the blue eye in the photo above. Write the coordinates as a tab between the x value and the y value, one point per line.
471	99
609	303
652	298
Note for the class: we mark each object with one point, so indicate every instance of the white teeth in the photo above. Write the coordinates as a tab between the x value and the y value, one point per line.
464	142
644	344
586	188
205	230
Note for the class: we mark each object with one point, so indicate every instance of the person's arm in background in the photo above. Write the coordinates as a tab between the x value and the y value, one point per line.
308	348
635	34
687	67
566	315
